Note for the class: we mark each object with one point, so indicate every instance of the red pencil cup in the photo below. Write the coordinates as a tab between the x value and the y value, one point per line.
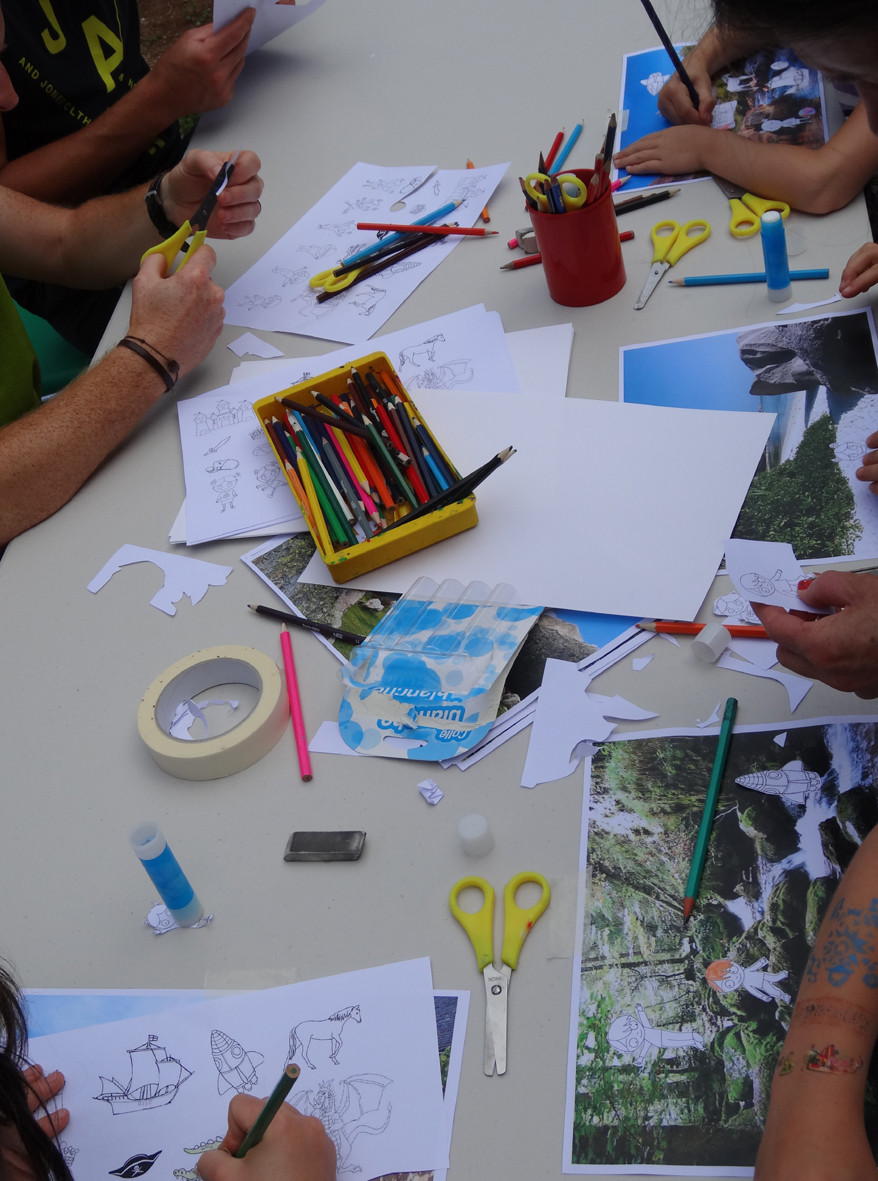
582	255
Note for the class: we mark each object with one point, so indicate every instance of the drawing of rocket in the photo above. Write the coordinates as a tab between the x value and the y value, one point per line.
792	781
236	1066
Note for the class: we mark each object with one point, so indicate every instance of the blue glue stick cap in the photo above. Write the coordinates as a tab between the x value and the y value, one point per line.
148	842
774	251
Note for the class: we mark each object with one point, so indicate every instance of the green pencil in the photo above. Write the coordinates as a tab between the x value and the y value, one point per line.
269	1110
716	778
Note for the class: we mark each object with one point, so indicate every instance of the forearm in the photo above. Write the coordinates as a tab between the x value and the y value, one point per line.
47	455
85	163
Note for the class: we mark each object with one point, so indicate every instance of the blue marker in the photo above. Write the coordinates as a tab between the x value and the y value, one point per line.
774	251
148	842
426	220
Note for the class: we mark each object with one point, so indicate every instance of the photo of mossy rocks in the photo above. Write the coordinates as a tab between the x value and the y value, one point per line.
680	1023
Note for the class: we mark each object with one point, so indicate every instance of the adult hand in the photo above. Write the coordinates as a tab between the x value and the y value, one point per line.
860	272
41	1090
674	101
670	152
869	471
238	205
199	71
294	1145
180	315
839	649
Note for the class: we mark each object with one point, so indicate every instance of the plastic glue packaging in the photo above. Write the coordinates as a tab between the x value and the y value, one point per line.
427	681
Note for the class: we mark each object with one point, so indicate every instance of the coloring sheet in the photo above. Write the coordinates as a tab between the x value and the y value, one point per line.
275	295
675	1029
771	96
820	379
563	520
272	16
158	1086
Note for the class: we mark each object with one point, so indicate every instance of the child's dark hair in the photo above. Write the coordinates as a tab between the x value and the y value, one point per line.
782	21
43	1155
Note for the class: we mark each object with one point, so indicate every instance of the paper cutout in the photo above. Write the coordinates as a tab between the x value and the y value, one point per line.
725	976
639	663
183	576
796	687
249	344
794	308
714	718
431	791
566	716
161	920
765	572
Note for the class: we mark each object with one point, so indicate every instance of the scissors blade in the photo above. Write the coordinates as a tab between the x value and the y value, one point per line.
496	993
655	274
201	217
728	187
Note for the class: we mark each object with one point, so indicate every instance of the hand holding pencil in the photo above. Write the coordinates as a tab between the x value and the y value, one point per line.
293	1146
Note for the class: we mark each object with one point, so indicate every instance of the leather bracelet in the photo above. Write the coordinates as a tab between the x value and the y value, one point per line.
156	210
169	376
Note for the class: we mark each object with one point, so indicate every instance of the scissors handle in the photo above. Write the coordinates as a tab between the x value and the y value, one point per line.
747	211
171	247
518	921
329	281
579	195
671	240
479	925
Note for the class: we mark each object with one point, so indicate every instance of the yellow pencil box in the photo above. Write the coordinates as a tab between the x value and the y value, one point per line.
351	561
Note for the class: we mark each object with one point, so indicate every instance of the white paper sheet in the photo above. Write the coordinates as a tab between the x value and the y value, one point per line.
274	294
384	1022
595	512
272	16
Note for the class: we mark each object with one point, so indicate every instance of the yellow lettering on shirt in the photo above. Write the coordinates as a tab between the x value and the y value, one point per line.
53	42
97	36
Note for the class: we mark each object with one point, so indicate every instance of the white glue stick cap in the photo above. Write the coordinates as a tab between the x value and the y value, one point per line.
711	642
475	835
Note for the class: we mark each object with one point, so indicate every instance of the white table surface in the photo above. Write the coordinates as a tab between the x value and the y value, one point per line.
384	82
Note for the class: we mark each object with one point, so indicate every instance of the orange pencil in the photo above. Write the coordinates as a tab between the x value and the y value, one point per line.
750	631
486	217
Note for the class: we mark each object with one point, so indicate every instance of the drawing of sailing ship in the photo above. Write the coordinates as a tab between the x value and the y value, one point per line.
155	1080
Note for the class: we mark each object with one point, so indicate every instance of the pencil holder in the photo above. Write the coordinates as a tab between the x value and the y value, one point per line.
582	255
321	465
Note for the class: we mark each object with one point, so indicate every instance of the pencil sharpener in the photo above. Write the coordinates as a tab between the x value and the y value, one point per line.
325	846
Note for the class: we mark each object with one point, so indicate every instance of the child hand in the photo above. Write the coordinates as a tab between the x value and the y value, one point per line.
670	152
861	271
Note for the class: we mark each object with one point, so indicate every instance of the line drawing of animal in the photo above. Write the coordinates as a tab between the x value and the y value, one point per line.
327	1030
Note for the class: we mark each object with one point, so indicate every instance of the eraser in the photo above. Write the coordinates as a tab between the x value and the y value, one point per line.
711	642
475	835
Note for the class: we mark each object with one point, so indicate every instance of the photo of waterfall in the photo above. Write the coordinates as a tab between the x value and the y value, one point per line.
676	1027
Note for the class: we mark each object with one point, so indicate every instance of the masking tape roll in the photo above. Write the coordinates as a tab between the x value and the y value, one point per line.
242	745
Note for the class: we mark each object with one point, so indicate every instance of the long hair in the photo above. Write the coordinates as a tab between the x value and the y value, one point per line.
783	21
42	1153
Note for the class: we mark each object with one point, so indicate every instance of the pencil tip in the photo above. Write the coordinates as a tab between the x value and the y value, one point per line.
688	905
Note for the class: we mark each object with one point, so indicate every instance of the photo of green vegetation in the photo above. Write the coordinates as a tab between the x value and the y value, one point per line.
670	1069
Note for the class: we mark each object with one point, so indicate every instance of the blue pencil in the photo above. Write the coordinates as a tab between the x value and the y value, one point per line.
565	150
744	277
426	220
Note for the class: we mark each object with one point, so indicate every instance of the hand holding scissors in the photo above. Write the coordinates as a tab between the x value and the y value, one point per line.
547	191
747	209
196	225
479	926
670	242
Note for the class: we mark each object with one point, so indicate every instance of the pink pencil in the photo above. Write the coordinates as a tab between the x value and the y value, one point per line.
295	706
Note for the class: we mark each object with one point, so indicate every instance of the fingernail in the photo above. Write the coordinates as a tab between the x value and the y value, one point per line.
805	583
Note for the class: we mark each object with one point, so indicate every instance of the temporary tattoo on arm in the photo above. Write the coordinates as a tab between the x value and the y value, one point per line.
849	951
825	1061
826	1010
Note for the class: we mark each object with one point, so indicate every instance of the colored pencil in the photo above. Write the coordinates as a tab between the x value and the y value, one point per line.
641	200
529	260
375	268
426	220
553	150
458	491
752	631
321	519
744	277
716	779
308	625
485	215
295	706
617	184
671	52
565	151
440	231
269	1110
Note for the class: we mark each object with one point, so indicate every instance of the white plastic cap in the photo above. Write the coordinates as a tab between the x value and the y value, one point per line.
475	835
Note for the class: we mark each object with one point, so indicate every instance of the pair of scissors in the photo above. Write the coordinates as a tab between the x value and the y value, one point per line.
330	281
670	242
546	190
747	209
196	224
479	926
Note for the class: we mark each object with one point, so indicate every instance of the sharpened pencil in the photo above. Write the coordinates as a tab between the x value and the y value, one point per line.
671	52
716	779
308	625
270	1110
439	231
670	627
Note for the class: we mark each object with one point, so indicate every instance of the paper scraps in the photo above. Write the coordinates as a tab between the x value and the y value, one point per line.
161	920
183	576
766	572
431	791
250	345
567	716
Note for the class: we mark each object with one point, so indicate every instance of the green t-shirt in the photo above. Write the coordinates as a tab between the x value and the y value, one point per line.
19	368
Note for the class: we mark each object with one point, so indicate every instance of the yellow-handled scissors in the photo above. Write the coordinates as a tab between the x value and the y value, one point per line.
747	209
196	224
670	241
479	926
547	191
330	281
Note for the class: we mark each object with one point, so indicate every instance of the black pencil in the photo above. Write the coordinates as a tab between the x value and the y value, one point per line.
641	200
308	625
459	491
671	52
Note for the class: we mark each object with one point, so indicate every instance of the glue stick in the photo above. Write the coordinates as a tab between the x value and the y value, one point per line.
774	251
148	842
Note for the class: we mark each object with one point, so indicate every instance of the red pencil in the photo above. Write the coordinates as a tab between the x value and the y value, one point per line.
441	231
553	150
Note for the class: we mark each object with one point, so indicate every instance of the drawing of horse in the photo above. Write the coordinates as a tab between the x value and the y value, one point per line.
327	1030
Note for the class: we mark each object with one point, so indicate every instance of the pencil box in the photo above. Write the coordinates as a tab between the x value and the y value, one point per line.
347	561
